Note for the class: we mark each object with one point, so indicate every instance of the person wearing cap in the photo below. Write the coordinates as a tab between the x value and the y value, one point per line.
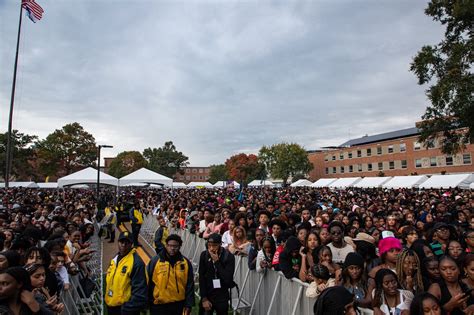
125	282
216	277
136	216
441	235
161	234
171	280
339	248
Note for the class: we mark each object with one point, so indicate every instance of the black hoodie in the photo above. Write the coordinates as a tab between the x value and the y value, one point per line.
287	261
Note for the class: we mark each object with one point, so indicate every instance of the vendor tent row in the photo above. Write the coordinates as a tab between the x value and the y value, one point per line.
145	177
464	181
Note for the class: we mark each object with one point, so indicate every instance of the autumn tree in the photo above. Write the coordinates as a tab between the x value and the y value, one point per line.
448	68
166	160
244	168
127	162
66	150
22	153
285	160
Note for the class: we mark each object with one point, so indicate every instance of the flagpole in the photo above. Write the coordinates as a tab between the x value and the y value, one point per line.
12	101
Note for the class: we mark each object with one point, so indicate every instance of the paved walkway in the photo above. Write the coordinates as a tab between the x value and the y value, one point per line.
111	249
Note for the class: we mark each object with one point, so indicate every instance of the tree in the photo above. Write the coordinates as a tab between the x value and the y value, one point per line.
66	150
127	162
448	67
217	173
166	160
22	153
285	160
244	168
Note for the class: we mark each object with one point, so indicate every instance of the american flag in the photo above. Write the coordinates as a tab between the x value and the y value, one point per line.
34	10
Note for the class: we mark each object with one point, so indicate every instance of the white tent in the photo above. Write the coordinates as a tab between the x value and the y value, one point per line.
345	182
146	176
223	184
405	182
372	182
471	186
447	181
48	185
323	182
301	183
200	185
179	185
87	176
20	184
260	183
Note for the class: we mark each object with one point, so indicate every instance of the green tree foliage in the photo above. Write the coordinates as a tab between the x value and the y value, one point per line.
166	160
448	67
285	160
66	150
22	154
127	162
244	168
217	173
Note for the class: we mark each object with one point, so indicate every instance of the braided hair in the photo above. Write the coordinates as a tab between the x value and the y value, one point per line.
401	274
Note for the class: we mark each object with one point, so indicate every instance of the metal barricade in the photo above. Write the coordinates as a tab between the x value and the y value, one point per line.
260	293
74	299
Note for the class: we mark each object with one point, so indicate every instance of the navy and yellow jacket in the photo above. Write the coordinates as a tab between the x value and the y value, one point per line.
170	280
126	283
136	216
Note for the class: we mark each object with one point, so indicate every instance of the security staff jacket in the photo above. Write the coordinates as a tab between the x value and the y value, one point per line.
126	283
171	279
136	216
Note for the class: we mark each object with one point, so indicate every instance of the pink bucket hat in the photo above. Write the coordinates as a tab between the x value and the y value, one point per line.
388	243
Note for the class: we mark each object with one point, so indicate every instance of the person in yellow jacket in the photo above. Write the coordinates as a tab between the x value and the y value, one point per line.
171	280
110	214
136	216
125	282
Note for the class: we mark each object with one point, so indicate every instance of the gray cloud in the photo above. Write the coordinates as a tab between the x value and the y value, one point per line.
216	78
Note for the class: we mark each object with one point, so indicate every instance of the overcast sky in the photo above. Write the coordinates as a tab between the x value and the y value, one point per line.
215	77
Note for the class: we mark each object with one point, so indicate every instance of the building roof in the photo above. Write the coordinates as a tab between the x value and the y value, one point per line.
382	137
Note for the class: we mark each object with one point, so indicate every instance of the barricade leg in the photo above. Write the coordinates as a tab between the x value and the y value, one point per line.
297	301
256	293
277	286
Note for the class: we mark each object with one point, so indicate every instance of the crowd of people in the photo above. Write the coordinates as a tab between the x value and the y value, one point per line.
404	251
401	251
45	239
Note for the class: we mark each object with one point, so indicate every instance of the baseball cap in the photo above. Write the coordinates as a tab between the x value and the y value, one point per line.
125	236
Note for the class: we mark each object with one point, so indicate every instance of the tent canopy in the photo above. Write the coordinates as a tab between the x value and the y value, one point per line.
48	185
372	182
200	184
405	181
179	185
20	184
471	186
301	183
323	182
146	176
345	182
448	181
223	183
260	183
87	176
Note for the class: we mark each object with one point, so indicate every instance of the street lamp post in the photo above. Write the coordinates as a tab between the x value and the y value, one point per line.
98	169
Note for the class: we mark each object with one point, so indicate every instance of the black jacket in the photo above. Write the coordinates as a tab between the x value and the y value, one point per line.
223	269
286	264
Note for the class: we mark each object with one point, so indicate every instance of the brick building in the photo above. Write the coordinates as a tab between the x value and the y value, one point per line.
394	153
193	174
